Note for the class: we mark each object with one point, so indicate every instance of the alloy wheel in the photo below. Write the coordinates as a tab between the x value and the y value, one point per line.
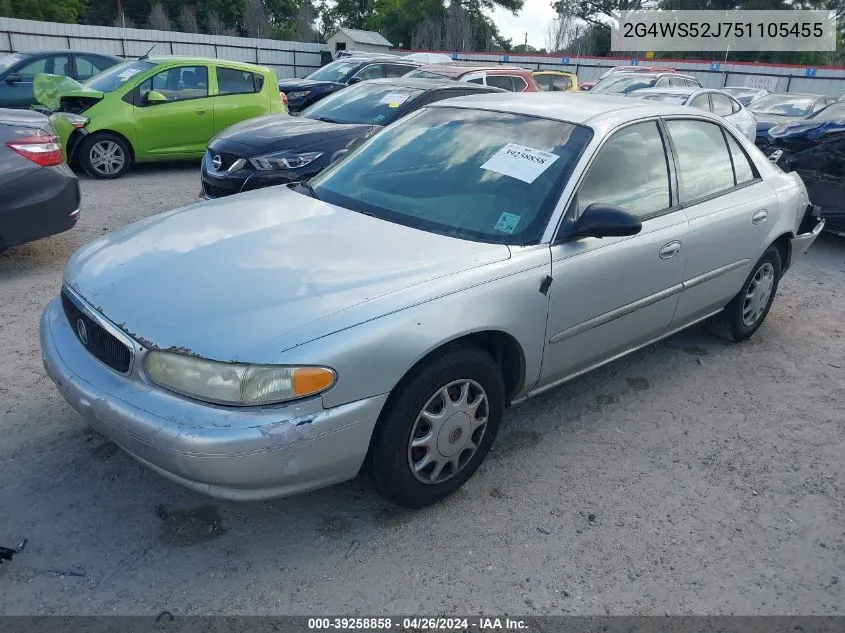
758	293
106	157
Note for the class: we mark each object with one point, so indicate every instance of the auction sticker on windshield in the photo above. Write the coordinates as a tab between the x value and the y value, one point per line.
520	162
394	99
129	72
507	222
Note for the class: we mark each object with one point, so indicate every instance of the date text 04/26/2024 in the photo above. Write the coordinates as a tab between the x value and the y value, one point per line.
416	624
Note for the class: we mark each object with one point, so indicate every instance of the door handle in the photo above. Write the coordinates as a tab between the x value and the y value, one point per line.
200	111
759	217
670	250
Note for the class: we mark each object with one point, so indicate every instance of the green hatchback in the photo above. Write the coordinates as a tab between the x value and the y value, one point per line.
162	108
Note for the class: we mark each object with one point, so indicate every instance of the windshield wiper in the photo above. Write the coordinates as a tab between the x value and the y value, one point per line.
306	186
325	119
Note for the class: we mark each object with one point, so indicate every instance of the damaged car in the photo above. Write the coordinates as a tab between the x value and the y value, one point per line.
382	317
775	108
815	149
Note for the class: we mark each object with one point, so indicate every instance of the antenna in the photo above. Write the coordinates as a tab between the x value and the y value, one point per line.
147	54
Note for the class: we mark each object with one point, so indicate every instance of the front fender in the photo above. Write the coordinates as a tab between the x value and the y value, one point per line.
370	358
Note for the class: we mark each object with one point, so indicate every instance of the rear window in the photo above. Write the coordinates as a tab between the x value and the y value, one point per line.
614	84
117	76
234	82
498	175
364	103
336	71
663	97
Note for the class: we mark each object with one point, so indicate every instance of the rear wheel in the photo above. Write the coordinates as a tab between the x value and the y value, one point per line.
439	427
104	155
748	309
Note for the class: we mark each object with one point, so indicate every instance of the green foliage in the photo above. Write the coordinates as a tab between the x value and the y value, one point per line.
48	10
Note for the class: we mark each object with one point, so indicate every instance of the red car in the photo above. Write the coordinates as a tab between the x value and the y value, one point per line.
586	85
508	78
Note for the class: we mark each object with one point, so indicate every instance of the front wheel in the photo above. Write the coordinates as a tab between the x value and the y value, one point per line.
438	428
104	155
748	309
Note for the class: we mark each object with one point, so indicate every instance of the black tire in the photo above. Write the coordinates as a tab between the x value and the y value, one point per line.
103	140
730	324
391	456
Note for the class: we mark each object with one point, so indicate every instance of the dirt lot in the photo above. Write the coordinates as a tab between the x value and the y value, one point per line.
692	477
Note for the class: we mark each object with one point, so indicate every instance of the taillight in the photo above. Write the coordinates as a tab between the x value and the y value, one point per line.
43	150
284	98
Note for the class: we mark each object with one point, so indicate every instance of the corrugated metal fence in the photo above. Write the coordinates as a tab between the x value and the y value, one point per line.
824	80
287	59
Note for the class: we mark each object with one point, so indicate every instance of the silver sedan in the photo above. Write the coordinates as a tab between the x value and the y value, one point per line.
383	316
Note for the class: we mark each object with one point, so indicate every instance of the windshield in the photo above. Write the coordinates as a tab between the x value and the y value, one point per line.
783	105
614	84
7	61
336	71
663	97
471	174
372	104
116	76
744	95
831	113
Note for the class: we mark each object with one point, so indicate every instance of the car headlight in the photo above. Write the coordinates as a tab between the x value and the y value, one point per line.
237	384
291	161
75	120
301	94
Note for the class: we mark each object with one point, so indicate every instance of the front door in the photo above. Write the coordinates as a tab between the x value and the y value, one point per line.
19	93
731	213
183	123
609	295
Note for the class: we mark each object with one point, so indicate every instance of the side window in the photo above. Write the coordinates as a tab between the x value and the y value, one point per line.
721	104
52	65
28	71
676	82
477	80
397	70
702	102
519	84
693	83
743	170
561	83
629	171
704	166
544	81
179	84
373	71
663	82
89	65
235	82
500	81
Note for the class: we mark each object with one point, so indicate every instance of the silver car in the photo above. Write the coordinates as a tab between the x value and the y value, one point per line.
715	101
383	317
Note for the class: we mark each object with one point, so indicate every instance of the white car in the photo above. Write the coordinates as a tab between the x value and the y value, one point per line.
715	101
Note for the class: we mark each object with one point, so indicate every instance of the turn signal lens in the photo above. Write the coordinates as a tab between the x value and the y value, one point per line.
308	380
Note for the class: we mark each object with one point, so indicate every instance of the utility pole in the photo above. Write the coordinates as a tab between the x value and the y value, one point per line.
120	13
526	40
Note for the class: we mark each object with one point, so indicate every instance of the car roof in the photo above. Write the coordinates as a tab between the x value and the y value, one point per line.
806	95
652	73
570	107
455	70
552	72
170	59
431	84
686	91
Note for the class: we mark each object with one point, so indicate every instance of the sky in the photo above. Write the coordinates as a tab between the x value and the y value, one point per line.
535	17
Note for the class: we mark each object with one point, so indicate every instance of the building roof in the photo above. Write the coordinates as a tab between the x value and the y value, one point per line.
363	37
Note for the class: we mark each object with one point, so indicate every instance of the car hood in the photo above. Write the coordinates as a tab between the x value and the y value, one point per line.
246	277
276	132
807	129
294	85
765	121
50	89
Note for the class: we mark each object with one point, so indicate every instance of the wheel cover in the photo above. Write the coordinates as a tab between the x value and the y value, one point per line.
106	157
758	294
448	431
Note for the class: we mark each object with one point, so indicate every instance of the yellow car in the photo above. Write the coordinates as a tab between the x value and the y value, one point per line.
556	80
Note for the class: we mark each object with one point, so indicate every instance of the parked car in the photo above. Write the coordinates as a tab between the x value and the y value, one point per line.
556	80
714	101
478	252
40	192
815	149
779	107
588	85
301	93
744	95
162	108
508	78
278	149
18	71
428	58
623	83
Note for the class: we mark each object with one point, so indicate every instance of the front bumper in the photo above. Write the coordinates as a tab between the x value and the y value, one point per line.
219	184
226	452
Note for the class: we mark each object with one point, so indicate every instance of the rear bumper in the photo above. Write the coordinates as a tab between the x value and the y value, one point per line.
811	226
39	204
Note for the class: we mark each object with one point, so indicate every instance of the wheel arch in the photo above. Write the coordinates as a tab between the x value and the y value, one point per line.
100	132
783	244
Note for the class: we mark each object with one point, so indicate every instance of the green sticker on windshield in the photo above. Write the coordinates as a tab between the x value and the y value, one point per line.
507	222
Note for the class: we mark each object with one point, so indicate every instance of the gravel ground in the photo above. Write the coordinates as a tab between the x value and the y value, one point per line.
692	477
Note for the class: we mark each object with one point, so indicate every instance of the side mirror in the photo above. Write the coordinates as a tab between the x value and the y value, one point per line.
338	155
13	78
354	80
154	96
605	220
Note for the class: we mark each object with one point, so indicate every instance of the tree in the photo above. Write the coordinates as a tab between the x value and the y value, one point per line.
48	10
158	19
188	19
256	19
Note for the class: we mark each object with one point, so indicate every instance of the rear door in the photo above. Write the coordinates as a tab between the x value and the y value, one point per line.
730	210
184	123
238	96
